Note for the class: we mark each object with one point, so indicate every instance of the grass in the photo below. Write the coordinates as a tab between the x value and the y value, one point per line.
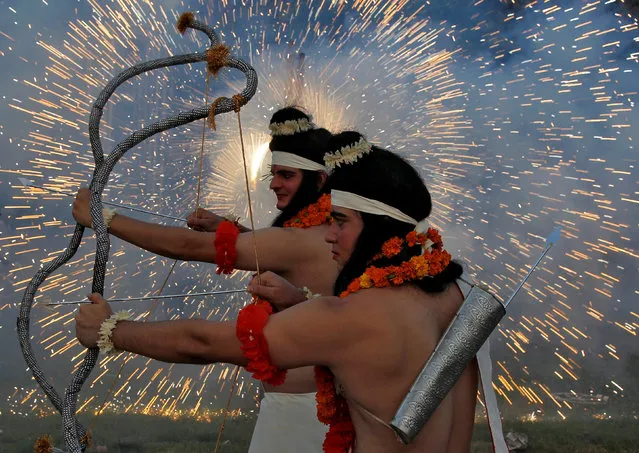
145	434
578	436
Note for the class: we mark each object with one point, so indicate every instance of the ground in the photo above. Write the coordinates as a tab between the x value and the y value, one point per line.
143	434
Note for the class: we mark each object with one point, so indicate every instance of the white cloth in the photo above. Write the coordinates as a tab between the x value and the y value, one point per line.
287	422
356	202
490	399
486	378
295	161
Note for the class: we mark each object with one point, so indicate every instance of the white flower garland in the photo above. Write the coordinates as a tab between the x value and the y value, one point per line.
108	214
347	154
105	342
309	294
290	127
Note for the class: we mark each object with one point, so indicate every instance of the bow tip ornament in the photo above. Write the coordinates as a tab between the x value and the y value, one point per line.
185	21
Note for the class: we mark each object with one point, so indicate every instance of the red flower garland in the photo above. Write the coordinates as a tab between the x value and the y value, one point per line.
225	253
249	329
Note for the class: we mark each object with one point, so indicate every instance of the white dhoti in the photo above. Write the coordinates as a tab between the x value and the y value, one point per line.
287	422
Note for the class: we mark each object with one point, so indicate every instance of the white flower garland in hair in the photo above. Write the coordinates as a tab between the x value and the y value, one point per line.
348	154
290	127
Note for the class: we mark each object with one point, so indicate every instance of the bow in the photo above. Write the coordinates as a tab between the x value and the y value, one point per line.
75	435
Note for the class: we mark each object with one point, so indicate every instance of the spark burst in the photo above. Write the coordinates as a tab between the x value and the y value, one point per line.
508	129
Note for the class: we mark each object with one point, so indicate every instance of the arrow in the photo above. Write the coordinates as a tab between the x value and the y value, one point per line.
27	183
550	241
166	296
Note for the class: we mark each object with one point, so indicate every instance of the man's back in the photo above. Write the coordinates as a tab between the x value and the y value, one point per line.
377	375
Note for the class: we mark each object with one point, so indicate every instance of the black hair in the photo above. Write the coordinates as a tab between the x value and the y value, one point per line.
309	144
312	145
384	176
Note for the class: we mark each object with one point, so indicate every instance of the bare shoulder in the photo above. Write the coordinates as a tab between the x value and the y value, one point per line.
312	232
406	301
380	302
295	240
297	235
308	241
359	308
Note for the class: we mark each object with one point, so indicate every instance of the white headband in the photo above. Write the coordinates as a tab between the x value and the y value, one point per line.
295	161
290	127
358	203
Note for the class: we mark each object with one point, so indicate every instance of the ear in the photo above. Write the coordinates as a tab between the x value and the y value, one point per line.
321	180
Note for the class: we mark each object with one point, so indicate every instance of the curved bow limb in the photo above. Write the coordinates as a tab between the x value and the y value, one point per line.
74	433
97	186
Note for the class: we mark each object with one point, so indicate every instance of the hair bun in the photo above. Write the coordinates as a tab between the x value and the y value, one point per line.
290	121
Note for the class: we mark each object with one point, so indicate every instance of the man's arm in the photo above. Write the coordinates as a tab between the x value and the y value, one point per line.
203	220
172	242
323	331
278	249
184	341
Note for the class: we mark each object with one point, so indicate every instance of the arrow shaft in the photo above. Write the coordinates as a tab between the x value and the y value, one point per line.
166	296
521	285
110	203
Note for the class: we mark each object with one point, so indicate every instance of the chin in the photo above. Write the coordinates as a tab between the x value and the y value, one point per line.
281	204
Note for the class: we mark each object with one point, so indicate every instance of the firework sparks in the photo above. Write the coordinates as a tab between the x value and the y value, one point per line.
515	135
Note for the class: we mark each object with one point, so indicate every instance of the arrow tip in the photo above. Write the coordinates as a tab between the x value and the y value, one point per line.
25	181
554	237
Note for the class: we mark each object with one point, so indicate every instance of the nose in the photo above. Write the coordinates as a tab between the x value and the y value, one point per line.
331	234
275	183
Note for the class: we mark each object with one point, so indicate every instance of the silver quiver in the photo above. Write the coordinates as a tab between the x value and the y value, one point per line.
470	328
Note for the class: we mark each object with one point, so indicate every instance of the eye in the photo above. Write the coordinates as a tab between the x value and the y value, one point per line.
339	220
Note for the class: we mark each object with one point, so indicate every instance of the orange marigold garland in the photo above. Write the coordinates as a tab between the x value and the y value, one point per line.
393	246
249	329
225	253
332	408
314	214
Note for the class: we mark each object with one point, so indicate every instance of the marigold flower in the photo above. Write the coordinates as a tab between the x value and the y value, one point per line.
420	265
353	286
378	276
315	214
408	271
392	247
434	236
365	281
